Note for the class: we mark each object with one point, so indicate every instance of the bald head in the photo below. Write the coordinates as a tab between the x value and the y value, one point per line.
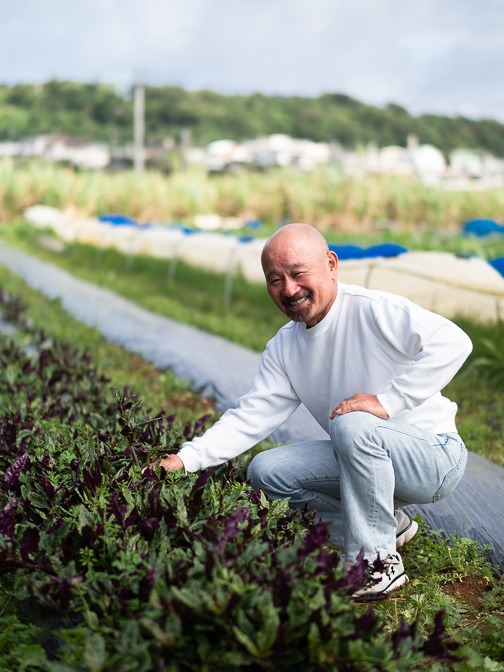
292	236
301	272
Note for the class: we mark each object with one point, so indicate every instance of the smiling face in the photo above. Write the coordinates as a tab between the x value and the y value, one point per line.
301	273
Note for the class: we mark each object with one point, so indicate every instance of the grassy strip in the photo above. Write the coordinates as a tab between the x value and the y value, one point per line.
157	389
193	296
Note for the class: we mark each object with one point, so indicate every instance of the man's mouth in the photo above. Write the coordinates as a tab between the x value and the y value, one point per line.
294	301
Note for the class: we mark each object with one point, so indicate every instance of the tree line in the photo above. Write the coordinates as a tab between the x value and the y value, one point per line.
95	111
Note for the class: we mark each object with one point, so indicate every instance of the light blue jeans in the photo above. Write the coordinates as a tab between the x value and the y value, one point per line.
356	480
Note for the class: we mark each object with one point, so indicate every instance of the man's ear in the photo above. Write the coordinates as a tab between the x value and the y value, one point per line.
333	260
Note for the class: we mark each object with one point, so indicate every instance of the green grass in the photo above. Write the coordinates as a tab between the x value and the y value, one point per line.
158	389
452	576
478	390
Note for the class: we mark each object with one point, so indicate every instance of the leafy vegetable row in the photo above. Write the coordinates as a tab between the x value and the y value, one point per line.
120	570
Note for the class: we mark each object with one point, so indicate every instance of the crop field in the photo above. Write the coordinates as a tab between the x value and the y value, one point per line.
106	569
325	198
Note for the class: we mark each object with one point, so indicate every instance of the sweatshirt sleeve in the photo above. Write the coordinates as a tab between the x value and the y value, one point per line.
435	347
269	403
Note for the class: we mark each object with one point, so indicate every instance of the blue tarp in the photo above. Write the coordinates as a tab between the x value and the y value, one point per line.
498	264
118	220
482	227
253	224
356	252
347	251
384	250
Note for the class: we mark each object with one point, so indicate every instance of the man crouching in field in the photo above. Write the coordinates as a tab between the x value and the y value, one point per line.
369	366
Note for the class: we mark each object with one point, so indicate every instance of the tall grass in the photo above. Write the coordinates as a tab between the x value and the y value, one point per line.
324	197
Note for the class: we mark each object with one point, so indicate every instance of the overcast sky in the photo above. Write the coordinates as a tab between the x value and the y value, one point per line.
439	56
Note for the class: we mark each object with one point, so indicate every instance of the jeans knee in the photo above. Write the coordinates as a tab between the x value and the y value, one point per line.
270	472
258	470
344	427
346	430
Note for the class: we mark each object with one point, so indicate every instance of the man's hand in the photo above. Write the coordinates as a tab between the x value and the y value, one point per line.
169	463
360	402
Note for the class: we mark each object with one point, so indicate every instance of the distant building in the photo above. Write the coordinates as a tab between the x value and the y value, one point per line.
464	169
223	155
467	163
93	156
277	150
60	148
10	148
423	161
472	169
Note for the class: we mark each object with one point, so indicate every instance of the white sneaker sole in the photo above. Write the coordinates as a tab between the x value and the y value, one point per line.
407	534
371	592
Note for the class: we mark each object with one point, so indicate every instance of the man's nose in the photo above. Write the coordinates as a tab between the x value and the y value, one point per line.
290	287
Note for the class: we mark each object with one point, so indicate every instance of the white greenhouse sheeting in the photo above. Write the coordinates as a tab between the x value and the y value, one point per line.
438	281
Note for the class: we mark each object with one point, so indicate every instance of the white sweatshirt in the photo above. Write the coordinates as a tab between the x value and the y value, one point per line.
370	342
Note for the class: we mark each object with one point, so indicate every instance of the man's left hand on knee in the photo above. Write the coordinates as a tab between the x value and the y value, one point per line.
360	402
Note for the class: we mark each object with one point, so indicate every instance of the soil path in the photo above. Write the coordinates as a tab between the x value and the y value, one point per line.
224	371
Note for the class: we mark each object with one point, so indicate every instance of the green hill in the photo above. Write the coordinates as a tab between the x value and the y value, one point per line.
99	112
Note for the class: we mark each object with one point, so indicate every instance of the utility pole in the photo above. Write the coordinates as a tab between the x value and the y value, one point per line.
185	146
139	126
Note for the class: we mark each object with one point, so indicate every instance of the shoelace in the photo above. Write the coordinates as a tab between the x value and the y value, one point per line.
390	566
390	571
